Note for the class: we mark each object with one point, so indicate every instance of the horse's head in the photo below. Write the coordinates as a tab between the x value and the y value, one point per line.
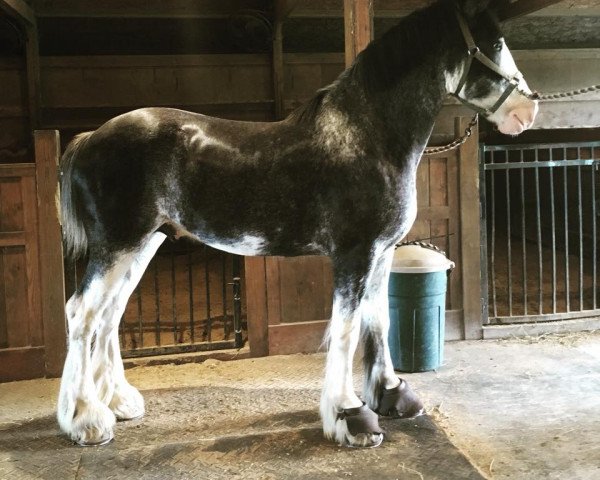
488	80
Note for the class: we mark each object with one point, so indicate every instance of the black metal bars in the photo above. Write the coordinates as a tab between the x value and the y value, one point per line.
540	230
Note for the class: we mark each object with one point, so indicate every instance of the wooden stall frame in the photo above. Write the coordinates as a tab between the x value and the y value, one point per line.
21	332
470	215
47	154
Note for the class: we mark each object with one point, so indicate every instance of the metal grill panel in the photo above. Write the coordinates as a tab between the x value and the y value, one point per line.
540	231
188	300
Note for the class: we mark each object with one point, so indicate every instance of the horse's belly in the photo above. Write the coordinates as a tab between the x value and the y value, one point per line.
247	245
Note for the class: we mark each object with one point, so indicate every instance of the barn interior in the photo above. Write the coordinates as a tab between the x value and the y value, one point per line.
228	350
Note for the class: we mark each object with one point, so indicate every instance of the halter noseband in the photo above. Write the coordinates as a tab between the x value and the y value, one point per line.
475	52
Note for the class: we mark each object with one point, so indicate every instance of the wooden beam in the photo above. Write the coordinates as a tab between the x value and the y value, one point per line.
283	8
256	306
21	363
358	27
32	62
47	153
280	13
145	9
519	8
470	219
18	10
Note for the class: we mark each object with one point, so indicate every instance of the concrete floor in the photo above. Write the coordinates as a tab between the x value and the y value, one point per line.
519	409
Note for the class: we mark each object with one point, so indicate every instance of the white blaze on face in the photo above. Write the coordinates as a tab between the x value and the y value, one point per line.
518	112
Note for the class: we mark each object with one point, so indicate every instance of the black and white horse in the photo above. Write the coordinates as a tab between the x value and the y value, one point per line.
336	178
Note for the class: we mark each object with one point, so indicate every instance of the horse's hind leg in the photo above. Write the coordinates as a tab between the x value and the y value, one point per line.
383	391
81	413
109	375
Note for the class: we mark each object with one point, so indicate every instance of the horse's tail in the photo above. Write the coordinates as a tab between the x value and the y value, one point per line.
74	236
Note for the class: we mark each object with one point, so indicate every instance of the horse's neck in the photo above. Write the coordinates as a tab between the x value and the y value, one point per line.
400	92
399	119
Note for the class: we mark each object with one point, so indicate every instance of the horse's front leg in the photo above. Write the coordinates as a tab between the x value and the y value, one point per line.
346	419
383	391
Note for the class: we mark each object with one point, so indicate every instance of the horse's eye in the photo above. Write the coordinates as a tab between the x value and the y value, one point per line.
498	46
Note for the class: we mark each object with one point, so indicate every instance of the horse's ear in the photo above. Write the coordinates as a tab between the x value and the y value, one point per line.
472	7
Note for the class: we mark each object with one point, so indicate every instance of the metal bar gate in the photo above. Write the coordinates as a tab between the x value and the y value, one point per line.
540	242
188	300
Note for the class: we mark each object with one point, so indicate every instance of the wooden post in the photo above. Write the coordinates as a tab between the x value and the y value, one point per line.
256	306
470	215
47	153
280	7
358	27
32	60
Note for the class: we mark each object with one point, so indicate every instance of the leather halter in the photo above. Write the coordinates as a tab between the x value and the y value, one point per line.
475	53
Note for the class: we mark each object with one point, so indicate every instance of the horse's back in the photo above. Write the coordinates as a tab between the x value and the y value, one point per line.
196	173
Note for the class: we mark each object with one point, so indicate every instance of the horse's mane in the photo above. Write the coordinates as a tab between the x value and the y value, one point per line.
308	111
387	59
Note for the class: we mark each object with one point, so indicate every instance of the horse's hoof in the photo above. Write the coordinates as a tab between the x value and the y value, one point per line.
92	425
362	427
400	402
364	440
98	443
127	403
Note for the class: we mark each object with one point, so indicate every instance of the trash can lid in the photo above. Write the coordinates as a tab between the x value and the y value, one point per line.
415	258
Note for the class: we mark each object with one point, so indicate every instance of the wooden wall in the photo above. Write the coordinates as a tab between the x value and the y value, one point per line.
32	321
21	328
15	141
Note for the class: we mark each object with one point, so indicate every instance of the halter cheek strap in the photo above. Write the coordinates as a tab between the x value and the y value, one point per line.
475	53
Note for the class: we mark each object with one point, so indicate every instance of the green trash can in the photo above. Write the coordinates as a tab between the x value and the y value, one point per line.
417	298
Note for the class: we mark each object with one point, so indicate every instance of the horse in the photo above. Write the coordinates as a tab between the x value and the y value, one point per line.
336	177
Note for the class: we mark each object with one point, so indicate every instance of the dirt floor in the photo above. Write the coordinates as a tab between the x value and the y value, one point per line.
517	409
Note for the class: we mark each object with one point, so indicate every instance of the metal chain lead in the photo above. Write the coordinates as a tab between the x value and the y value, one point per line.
455	143
534	96
572	93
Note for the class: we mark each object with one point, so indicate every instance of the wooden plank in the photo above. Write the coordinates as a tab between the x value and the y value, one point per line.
11	205
273	289
30	210
32	60
455	280
126	61
277	58
134	86
3	311
512	9
17	170
18	10
256	306
146	9
12	111
47	152
454	326
21	363
306	288
438	182
441	212
421	228
18	315
358	27
470	224
302	337
438	199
